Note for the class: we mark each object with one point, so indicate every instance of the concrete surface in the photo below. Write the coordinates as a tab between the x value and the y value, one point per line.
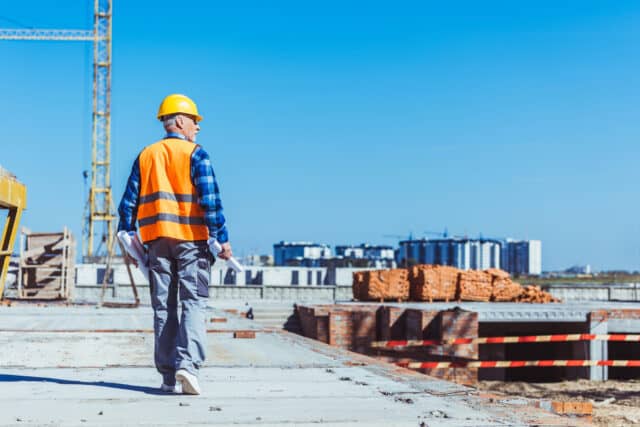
53	375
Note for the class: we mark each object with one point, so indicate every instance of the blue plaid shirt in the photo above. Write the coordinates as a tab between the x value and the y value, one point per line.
203	179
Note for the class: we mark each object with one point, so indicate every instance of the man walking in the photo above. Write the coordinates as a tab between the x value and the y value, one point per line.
173	194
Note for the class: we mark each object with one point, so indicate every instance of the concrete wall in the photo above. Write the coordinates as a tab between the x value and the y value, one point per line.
92	293
611	292
92	274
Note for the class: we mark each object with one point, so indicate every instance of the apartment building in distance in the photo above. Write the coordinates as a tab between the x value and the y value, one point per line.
304	254
462	253
378	256
522	257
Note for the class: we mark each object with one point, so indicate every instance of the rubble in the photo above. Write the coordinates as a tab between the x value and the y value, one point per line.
532	293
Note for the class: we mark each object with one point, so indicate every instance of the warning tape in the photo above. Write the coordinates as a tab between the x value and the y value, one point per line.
518	364
508	340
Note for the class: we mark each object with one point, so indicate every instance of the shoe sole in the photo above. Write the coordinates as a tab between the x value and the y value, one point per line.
187	387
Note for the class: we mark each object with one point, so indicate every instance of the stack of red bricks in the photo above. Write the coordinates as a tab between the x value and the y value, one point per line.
355	327
443	283
349	327
381	285
502	288
474	285
433	282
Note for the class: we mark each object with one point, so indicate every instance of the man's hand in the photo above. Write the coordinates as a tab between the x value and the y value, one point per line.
226	252
131	259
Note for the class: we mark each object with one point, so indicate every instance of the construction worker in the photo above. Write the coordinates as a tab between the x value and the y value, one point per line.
173	194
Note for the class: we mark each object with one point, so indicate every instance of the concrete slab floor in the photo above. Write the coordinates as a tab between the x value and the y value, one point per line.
48	377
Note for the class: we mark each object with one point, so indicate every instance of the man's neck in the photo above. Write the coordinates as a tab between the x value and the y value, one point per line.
175	133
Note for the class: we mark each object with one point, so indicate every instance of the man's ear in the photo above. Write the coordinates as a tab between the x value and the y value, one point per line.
179	122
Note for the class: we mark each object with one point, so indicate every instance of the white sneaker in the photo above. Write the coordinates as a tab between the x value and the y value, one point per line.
168	388
189	382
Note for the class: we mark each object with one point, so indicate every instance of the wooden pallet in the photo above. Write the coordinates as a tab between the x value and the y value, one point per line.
46	266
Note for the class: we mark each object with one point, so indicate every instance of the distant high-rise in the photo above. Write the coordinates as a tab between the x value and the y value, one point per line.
522	257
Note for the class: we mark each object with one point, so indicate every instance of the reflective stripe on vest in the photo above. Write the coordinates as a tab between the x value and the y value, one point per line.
168	204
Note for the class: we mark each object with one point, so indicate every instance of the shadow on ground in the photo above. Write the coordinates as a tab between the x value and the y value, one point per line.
119	386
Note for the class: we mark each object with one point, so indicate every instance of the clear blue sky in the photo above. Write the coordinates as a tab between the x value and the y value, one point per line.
341	122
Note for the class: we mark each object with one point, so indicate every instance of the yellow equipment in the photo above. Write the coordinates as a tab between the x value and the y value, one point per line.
13	196
176	103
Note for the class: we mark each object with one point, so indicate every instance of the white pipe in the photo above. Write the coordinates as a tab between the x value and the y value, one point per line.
216	248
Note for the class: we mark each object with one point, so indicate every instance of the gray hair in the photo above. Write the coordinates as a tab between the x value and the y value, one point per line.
169	120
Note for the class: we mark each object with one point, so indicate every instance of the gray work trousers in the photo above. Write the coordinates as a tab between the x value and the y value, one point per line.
179	268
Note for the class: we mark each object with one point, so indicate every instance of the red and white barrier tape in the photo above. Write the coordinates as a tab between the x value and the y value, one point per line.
518	364
508	340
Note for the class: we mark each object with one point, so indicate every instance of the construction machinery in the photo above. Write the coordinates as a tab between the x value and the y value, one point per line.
13	198
100	209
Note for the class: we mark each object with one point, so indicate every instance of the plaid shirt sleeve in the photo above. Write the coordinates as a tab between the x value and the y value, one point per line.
128	208
204	179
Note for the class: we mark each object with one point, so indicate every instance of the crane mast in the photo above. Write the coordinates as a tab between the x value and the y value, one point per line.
96	240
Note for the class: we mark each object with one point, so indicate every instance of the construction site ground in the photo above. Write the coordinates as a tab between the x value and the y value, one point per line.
82	365
615	403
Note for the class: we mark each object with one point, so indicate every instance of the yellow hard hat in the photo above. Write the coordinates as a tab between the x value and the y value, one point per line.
176	103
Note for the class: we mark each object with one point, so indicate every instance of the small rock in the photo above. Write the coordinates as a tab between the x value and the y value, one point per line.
361	383
439	414
215	409
184	404
406	400
345	379
258	418
329	371
18	419
100	413
632	419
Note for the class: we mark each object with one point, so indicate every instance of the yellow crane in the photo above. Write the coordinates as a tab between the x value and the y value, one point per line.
99	204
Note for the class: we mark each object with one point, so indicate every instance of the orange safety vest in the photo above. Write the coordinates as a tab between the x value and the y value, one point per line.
168	205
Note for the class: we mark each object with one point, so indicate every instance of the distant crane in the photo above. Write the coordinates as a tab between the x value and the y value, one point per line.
99	204
443	234
399	236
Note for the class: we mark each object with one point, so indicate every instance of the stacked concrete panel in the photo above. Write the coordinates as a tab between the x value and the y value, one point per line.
433	282
381	285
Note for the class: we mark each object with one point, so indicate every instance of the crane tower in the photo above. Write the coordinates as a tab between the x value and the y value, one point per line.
96	239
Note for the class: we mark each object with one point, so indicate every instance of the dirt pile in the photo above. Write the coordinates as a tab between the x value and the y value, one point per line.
443	283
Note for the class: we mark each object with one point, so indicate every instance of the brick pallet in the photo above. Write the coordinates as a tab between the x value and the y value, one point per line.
443	283
381	285
433	282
